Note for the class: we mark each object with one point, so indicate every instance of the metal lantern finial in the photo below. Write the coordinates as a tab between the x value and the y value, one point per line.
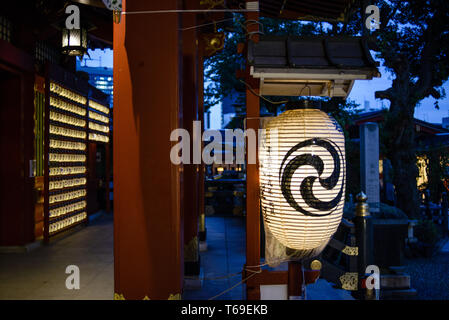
361	208
302	179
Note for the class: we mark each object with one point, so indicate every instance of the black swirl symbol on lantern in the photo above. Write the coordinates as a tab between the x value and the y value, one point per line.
306	187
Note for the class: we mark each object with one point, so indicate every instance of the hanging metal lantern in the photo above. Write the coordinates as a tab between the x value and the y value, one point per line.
74	41
302	179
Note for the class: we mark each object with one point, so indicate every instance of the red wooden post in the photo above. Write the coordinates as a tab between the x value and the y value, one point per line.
201	167
148	230
46	154
295	281
252	179
190	173
108	174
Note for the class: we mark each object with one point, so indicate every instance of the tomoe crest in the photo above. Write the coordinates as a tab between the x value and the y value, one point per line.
306	188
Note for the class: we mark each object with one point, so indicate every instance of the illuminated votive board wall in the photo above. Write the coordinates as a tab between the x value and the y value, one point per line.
67	158
98	115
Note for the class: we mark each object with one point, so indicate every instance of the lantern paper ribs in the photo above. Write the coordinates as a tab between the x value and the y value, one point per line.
302	179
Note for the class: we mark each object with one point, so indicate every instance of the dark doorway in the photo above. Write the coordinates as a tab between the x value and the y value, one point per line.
13	202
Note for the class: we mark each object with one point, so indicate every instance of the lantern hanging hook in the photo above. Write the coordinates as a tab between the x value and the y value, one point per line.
306	86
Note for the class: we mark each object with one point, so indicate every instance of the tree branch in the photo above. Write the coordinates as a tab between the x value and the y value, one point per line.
435	93
385	94
385	17
423	86
431	91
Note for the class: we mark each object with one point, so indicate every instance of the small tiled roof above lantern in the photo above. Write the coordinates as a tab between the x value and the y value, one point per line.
326	66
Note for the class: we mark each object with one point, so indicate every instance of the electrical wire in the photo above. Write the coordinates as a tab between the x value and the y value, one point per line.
231	275
236	285
206	24
253	273
245	27
267	263
260	96
250	34
227	276
187	11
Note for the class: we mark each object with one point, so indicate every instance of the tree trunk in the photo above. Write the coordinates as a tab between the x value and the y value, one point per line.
401	151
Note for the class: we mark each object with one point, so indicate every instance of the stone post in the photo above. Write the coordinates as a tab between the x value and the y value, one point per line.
369	163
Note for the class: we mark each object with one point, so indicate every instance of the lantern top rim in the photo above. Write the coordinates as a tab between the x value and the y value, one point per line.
303	104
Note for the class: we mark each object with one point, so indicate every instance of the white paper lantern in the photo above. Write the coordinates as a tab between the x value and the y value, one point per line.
302	178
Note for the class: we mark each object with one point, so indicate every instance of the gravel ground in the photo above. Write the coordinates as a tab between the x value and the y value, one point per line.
430	276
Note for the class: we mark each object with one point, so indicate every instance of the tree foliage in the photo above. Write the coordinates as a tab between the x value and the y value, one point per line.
412	41
220	69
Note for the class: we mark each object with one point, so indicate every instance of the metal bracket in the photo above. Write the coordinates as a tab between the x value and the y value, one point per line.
351	251
349	281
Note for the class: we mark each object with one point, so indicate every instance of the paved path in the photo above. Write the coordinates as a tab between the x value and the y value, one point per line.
429	276
445	248
226	256
40	274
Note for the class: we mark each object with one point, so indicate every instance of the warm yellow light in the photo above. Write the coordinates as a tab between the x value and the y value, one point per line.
69	145
67	209
98	127
61	224
220	169
59	184
74	42
66	93
62	131
67	106
302	179
98	117
61	171
59	117
98	137
97	106
66	157
422	179
67	196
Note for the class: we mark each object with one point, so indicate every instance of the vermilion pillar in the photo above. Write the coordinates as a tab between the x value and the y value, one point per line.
252	180
190	172
148	239
108	177
202	227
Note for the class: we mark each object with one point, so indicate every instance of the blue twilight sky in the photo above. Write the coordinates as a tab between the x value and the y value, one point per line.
362	91
98	58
